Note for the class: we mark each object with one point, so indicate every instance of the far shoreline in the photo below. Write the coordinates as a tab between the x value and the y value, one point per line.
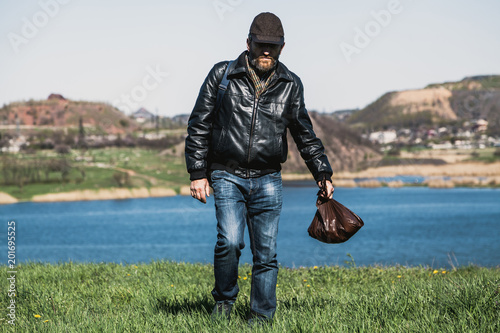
465	174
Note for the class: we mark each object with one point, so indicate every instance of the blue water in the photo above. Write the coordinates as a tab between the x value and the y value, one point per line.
405	179
408	226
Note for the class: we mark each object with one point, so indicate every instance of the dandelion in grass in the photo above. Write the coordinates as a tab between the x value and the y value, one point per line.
435	271
399	276
136	267
239	277
46	321
171	285
305	280
245	278
128	274
315	267
444	272
37	316
308	285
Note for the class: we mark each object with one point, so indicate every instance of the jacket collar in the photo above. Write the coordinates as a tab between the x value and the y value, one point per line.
240	66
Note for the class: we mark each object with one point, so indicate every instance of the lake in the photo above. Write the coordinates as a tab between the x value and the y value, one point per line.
407	226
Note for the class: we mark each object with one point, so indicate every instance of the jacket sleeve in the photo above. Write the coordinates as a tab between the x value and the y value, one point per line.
310	147
200	124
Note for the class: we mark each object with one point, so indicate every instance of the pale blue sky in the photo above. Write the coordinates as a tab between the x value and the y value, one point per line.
103	50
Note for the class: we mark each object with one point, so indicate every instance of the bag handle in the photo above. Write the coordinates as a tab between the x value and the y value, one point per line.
322	192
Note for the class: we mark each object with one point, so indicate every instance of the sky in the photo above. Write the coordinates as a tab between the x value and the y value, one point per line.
156	54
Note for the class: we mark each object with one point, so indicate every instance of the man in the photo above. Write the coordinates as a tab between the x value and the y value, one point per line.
238	149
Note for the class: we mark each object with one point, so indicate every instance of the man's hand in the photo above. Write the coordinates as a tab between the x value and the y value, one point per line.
329	189
200	189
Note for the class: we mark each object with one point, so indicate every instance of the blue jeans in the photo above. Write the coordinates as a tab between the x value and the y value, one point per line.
257	203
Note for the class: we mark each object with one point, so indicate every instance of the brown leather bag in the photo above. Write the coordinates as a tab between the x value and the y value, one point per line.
333	222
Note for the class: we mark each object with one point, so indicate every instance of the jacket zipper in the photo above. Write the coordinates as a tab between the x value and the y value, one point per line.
254	110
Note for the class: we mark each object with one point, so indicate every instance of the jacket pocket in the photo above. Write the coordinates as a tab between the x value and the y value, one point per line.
219	142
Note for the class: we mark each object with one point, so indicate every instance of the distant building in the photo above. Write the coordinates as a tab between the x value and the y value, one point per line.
181	119
142	115
383	137
442	130
445	145
480	125
431	133
56	96
342	115
14	145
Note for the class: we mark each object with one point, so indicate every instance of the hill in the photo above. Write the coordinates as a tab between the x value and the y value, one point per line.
58	112
470	99
345	148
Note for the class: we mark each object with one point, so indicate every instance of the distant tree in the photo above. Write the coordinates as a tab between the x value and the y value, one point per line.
81	134
81	130
394	151
121	178
124	123
62	149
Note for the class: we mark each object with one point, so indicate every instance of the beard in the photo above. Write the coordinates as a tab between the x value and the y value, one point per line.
262	65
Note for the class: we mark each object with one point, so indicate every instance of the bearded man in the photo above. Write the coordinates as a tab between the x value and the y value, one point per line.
236	144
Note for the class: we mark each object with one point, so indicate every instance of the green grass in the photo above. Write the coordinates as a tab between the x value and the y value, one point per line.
486	155
152	170
175	297
95	178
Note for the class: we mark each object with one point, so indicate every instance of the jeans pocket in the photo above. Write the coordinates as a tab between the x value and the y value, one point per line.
216	174
276	174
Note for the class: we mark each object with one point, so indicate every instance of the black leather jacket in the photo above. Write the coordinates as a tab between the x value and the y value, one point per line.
247	136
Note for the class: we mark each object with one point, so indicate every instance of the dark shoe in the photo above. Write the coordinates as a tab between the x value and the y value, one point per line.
222	310
258	320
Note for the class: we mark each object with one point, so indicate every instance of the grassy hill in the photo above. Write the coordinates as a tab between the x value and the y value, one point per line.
470	99
58	112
